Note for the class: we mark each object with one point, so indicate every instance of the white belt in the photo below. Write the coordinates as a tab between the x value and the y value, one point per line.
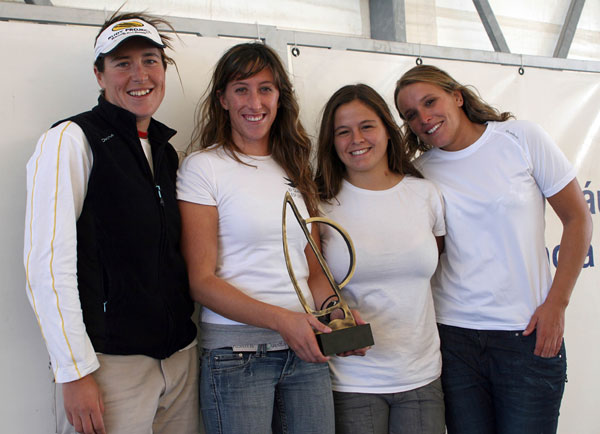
254	347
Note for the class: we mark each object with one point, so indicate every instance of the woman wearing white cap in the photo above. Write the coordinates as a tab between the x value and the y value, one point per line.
104	272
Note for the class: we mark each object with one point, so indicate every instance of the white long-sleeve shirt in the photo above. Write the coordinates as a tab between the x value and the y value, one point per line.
57	176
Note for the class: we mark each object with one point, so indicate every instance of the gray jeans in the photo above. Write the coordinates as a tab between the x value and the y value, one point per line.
418	411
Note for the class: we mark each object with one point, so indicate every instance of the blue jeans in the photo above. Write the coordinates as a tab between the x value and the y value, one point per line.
493	383
256	392
417	411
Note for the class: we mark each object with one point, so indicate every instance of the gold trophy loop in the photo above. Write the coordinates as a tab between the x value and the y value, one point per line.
346	334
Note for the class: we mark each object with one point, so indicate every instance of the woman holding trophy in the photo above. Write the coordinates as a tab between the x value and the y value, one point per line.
395	218
261	367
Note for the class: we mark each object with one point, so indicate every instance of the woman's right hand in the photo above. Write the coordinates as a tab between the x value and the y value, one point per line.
84	406
298	331
199	246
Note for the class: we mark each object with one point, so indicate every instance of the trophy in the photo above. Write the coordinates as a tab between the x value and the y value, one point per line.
346	335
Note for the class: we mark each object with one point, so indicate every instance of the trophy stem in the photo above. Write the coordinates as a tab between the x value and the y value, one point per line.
346	334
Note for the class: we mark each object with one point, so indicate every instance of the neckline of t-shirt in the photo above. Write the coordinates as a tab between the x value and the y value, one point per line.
469	150
246	158
255	157
375	192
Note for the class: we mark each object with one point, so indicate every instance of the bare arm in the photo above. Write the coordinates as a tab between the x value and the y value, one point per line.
200	249
317	280
440	244
549	318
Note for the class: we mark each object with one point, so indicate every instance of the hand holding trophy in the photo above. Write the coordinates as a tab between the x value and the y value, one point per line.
346	334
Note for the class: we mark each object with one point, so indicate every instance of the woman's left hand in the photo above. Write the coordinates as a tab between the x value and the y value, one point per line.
358	351
549	318
549	321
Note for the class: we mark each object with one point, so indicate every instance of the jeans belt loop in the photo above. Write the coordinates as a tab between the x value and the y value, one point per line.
262	350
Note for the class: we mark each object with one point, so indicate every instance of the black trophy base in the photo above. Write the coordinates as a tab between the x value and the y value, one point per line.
340	341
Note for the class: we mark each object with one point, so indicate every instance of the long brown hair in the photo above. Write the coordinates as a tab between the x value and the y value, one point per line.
289	143
476	109
330	169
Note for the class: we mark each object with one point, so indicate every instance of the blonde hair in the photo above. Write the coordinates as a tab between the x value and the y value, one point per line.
476	109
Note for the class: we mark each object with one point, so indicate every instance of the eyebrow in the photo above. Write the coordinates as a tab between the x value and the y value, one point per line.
244	82
426	96
411	110
360	123
146	54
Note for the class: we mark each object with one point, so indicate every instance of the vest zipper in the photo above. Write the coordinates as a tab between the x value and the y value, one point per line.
162	202
158	161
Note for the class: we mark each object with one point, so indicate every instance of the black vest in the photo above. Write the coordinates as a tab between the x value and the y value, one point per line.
131	276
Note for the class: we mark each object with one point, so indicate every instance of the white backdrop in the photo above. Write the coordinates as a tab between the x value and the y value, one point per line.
47	75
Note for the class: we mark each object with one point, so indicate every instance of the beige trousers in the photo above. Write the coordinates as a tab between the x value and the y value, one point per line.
143	395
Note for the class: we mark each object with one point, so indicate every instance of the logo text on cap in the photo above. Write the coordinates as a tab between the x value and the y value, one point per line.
127	25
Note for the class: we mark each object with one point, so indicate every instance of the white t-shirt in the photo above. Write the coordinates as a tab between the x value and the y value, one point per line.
393	232
249	200
494	272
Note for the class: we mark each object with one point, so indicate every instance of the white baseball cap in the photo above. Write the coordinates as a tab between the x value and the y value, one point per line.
117	32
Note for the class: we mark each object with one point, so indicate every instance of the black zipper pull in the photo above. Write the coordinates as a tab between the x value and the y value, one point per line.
162	202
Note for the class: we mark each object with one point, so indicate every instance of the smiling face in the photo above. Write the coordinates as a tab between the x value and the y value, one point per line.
360	140
134	79
435	116
252	104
